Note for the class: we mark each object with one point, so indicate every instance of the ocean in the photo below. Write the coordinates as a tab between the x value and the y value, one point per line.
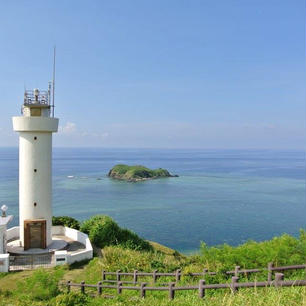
220	196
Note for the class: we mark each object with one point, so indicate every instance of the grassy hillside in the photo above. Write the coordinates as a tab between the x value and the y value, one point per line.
41	287
137	173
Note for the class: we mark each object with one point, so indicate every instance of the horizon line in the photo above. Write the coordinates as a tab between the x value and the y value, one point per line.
171	148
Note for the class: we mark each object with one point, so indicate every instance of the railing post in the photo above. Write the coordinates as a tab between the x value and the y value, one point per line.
270	266
103	275
171	291
135	276
118	275
68	286
154	276
99	288
177	275
119	287
82	287
205	271
201	288
237	268
233	284
142	290
279	277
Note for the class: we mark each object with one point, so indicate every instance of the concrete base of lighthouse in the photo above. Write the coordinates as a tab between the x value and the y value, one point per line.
15	247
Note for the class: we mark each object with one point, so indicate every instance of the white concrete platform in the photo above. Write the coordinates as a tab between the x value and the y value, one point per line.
77	244
14	247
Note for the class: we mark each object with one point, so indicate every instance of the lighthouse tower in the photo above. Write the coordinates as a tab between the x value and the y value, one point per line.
35	127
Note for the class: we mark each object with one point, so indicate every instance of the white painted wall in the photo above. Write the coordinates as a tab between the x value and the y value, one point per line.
76	235
73	234
12	233
61	257
4	262
35	153
2	238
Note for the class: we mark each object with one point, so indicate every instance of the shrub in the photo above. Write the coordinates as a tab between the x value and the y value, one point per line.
104	231
66	221
130	240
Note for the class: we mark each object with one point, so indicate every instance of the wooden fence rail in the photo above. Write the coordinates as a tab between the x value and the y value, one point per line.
178	273
201	287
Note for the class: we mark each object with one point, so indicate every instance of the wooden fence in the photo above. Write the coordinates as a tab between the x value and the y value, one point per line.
234	286
201	287
178	273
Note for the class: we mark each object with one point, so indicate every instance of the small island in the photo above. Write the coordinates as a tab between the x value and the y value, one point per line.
137	173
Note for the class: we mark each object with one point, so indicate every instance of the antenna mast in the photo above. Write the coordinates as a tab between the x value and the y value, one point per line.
53	81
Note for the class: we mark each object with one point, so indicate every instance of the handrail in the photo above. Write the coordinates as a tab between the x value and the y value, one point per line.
40	97
201	287
178	274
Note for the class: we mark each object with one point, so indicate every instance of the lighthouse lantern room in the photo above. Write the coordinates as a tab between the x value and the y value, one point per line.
35	127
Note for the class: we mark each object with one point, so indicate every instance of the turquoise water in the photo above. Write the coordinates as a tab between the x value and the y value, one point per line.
220	196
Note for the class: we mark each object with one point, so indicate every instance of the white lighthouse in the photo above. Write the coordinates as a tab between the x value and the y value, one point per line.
35	127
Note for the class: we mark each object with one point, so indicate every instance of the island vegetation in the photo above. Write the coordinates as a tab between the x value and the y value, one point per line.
126	251
137	173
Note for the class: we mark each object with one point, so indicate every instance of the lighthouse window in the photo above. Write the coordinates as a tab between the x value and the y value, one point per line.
35	170
35	138
35	204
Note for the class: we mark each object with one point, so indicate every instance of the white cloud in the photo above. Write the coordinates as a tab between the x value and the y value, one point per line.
104	135
69	128
184	134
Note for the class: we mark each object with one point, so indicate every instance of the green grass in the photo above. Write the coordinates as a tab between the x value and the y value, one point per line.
41	287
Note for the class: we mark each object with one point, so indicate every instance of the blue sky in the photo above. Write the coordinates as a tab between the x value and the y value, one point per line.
162	73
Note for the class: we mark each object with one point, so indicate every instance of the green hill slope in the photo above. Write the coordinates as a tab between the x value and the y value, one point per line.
46	287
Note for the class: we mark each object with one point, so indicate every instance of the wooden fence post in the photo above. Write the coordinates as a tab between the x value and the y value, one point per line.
118	275
68	286
270	266
237	268
154	276
135	276
99	287
103	275
177	275
233	284
82	287
201	288
142	290
279	277
119	287
171	291
205	271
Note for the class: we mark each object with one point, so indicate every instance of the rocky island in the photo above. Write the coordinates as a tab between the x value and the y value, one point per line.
137	173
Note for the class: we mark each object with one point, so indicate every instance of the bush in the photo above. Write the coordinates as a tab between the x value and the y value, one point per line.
130	240
104	231
66	221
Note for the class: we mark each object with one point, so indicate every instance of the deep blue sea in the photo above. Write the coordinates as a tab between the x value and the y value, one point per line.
220	196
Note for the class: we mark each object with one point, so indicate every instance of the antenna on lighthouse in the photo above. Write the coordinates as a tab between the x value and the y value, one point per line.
53	81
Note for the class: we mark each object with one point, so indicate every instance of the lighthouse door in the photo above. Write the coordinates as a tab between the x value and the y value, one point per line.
34	234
